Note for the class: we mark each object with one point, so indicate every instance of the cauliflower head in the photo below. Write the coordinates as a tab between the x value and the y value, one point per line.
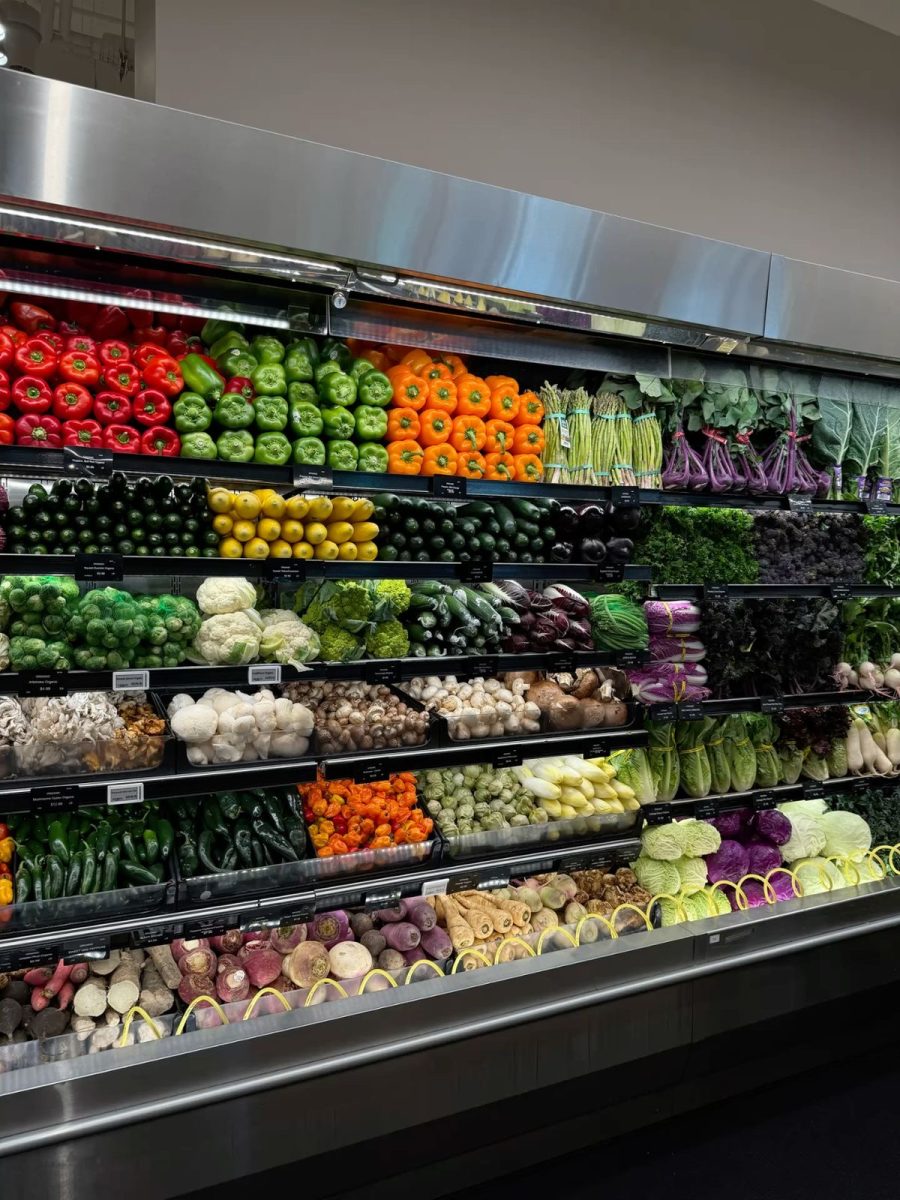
388	640
230	639
226	595
289	641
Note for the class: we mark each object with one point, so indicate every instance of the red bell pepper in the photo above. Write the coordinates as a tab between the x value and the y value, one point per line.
176	343
123	378
139	317
111	408
159	440
82	433
146	353
152	407
76	367
111	353
151	333
29	317
37	358
109	322
242	386
16	336
53	340
164	374
7	429
122	438
81	343
72	402
169	320
5	395
31	395
69	329
38	429
7	351
81	313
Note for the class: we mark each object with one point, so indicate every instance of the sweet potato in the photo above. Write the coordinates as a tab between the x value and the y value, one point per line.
38	976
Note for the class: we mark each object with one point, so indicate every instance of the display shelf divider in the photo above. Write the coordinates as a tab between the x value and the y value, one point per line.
770	591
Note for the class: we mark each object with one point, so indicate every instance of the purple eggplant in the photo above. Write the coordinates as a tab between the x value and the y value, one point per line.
591	520
619	550
561	552
592	550
565	520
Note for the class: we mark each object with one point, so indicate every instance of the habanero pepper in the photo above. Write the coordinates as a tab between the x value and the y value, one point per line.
440	459
39	429
405	458
164	442
72	402
164	374
37	358
31	395
81	344
30	317
7	351
122	439
151	407
112	352
124	377
77	367
146	353
7	429
5	393
82	433
111	408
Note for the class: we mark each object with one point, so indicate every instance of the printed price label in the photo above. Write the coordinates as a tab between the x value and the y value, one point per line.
631	658
690	710
87	461
625	497
860	785
666	713
54	799
435	887
611	574
483	666
205	927
153	935
704	810
800	503
763	801
507	758
841	591
448	487
286	570
596	748
813	789
125	793
43	683
493	879
772	704
656	814
463	883
298	912
31	956
584	862
382	898
85	946
562	663
370	772
715	591
876	508
477	570
130	681
565	438
311	477
385	672
264	673
98	568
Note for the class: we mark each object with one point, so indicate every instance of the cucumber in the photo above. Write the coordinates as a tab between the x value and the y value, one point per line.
505	519
479	606
525	509
429	587
479	509
456	604
417	600
417	633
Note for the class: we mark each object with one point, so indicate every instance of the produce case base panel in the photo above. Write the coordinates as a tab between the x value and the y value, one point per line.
262	1098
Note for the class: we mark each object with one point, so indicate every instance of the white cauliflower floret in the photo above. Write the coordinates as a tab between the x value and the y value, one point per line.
226	595
288	640
230	639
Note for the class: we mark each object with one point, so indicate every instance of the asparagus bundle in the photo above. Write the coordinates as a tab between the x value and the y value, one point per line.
556	435
648	450
578	414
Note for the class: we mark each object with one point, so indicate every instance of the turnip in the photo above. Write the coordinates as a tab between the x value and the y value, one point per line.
286	937
198	962
420	914
402	936
892	679
228	962
388	915
391	960
349	960
417	954
192	986
437	944
181	947
233	985
307	963
330	928
262	966
228	942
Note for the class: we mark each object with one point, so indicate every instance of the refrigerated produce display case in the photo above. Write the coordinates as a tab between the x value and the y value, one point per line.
449	704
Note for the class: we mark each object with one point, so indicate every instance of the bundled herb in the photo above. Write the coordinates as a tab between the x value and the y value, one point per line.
698	545
809	547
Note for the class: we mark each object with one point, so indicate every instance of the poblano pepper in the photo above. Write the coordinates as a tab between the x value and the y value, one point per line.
273	449
271	413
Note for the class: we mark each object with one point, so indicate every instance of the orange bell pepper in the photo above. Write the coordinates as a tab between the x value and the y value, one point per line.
531	410
435	370
409	390
441	459
455	363
405	458
500	436
473	397
528	468
498	381
500	466
471	465
436	427
394	353
402	423
442	394
505	403
469	433
528	439
416	360
378	359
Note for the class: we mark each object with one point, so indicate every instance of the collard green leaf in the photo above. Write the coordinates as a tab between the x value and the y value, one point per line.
866	434
831	433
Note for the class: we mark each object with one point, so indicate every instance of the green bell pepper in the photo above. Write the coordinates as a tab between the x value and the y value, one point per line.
236	362
302	393
360	367
338	389
271	413
233	339
336	352
267	349
269	380
309	345
338	423
191	413
273	449
305	420
309	451
299	365
215	328
324	369
235	445
371	423
373	458
375	388
200	377
234	412
198	445
342	456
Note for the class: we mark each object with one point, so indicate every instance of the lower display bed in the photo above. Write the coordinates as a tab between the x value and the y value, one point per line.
261	1094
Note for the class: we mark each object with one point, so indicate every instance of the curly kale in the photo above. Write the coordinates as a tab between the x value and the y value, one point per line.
882	551
809	547
698	545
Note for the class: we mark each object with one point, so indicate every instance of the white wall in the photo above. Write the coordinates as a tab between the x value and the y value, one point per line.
773	123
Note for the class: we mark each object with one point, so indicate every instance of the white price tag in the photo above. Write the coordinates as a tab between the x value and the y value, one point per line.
564	438
267	673
130	681
435	887
125	793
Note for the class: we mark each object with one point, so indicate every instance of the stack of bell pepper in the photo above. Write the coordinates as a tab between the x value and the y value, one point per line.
265	401
446	421
90	375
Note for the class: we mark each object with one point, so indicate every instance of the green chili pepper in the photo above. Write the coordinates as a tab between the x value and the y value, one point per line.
267	349
53	878
269	380
229	804
373	458
104	833
198	445
343	456
233	412
89	871
338	389
136	873
57	841
187	855
271	413
204	850
37	878
256	849
371	423
375	388
271	837
23	883
309	451
229	859
297	837
242	843
166	835
151	843
110	871
129	846
234	445
200	377
272	449
73	875
272	805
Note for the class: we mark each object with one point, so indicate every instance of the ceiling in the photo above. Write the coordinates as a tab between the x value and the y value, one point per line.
883	14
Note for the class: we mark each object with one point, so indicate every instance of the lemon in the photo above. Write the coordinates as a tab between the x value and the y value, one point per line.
219	499
296	508
327	550
262	494
320	508
341	508
274	506
244	530
269	529
347	551
222	523
246	505
292	531
315	532
230	548
280	549
366	551
303	550
256	548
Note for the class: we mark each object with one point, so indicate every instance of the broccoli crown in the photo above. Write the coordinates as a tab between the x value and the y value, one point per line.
337	645
388	640
394	594
349	604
